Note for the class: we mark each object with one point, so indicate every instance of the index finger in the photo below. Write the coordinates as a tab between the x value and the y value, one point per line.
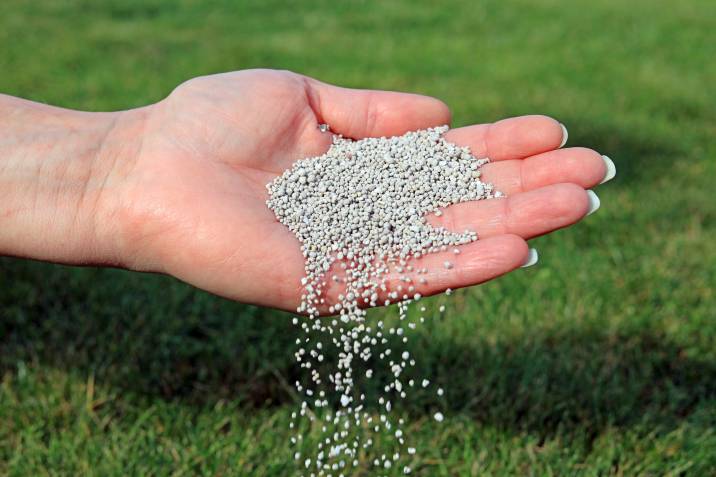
511	138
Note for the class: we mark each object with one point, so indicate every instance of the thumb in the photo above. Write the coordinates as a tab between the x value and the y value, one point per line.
357	113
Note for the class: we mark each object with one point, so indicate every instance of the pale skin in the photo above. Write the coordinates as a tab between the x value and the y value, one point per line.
178	187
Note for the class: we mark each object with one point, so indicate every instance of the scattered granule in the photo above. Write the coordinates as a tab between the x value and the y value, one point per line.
359	211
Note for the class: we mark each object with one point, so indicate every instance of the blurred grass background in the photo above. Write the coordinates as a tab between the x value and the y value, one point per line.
601	360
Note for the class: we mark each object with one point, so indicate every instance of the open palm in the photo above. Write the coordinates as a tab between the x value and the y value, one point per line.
194	198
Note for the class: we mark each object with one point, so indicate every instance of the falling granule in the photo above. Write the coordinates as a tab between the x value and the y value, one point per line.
359	211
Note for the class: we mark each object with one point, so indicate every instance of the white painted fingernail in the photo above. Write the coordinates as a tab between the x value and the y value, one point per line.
611	169
594	202
532	257
565	135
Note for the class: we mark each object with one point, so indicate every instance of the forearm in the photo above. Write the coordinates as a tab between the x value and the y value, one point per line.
58	171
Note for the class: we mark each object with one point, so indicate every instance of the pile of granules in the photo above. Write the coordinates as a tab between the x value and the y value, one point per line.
359	211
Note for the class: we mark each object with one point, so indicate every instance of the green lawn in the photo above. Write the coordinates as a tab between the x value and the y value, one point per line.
601	360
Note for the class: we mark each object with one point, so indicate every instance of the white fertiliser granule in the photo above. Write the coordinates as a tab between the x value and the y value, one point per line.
359	211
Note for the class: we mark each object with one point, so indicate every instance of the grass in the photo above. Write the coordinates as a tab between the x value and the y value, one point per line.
599	361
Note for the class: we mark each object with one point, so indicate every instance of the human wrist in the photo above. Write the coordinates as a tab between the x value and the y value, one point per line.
60	171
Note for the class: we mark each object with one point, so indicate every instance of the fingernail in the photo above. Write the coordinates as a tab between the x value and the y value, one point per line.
594	202
565	135
532	257
611	169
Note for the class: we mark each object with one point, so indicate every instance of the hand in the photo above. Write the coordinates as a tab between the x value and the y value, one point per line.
194	203
178	187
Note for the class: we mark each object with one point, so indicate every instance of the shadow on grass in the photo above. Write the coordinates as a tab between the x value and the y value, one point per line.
152	336
584	379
